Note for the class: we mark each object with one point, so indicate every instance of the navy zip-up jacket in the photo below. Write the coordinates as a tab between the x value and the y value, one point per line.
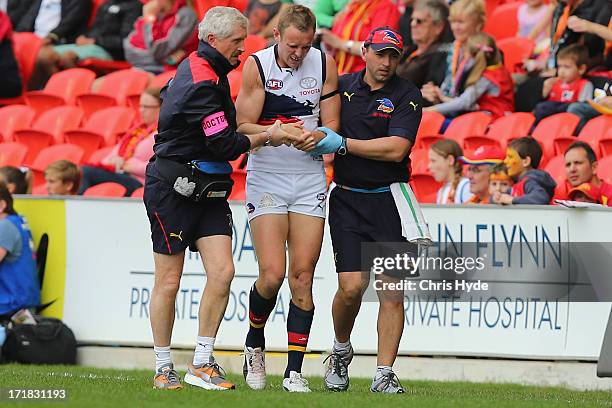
197	120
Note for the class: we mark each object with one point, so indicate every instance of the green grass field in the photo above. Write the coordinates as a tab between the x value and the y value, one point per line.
92	387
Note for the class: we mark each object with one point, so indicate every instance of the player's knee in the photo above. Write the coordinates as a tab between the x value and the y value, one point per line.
271	282
351	293
222	275
168	285
300	281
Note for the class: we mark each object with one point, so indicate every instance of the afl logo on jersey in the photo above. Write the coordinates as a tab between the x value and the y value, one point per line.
274	84
308	82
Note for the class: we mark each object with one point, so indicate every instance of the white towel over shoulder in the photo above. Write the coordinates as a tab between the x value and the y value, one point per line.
414	227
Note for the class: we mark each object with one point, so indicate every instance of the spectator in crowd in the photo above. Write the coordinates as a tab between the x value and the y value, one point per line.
19	287
163	36
580	25
16	180
488	86
467	17
62	178
568	86
126	163
425	60
585	192
534	20
532	186
480	162
260	13
499	180
581	167
9	70
351	28
326	10
446	168
16	9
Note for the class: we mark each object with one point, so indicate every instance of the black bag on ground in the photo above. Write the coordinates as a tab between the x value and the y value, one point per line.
48	342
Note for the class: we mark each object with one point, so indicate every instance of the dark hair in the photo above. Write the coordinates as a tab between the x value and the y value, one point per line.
13	175
528	147
499	168
301	17
583	145
577	52
5	195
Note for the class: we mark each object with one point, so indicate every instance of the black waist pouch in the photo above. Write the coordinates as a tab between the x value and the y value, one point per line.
198	181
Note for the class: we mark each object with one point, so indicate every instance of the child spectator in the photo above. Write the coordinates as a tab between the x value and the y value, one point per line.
479	164
488	86
499	180
446	168
17	181
532	186
62	178
585	192
568	86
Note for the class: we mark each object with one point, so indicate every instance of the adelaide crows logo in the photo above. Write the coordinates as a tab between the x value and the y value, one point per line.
386	106
391	37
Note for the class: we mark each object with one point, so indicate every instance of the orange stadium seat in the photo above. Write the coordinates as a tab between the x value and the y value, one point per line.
235	82
474	142
425	187
97	156
510	127
26	46
503	21
202	6
556	168
604	169
468	124
48	155
12	154
109	189
114	90
252	43
555	126
12	118
431	122
605	144
594	130
515	50
162	79
138	193
238	191
419	160
61	89
48	129
101	129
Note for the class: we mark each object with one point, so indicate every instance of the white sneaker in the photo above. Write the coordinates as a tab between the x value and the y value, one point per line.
254	368
295	383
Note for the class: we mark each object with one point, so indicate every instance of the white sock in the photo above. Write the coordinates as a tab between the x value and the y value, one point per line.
162	357
203	350
342	348
382	368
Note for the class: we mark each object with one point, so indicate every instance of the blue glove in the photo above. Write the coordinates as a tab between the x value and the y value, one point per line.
329	144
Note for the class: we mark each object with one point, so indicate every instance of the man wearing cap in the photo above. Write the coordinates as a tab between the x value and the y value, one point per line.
581	168
380	116
480	162
585	192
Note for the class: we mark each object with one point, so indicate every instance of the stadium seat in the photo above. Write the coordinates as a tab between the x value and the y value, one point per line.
101	129
48	129
474	142
252	44
510	127
12	118
202	6
431	122
138	193
555	126
97	156
12	154
604	169
103	67
556	168
114	90
61	89
503	21
468	124
26	47
48	155
515	50
109	189
419	160
605	144
162	79
594	130
425	187
238	191
235	82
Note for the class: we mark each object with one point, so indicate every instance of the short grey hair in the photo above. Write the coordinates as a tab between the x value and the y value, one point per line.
437	9
221	22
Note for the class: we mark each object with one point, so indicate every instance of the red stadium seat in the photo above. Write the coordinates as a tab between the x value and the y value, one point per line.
61	89
425	187
138	193
510	127
101	129
419	160
12	154
26	47
474	142
515	50
99	155
162	79
238	191
105	190
431	122
202	6
605	144
52	154
48	129
252	44
468	124
554	126
556	168
235	82
427	141
604	169
114	90
12	118
503	21
594	130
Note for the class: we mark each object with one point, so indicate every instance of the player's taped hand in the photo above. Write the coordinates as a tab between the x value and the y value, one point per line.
329	144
